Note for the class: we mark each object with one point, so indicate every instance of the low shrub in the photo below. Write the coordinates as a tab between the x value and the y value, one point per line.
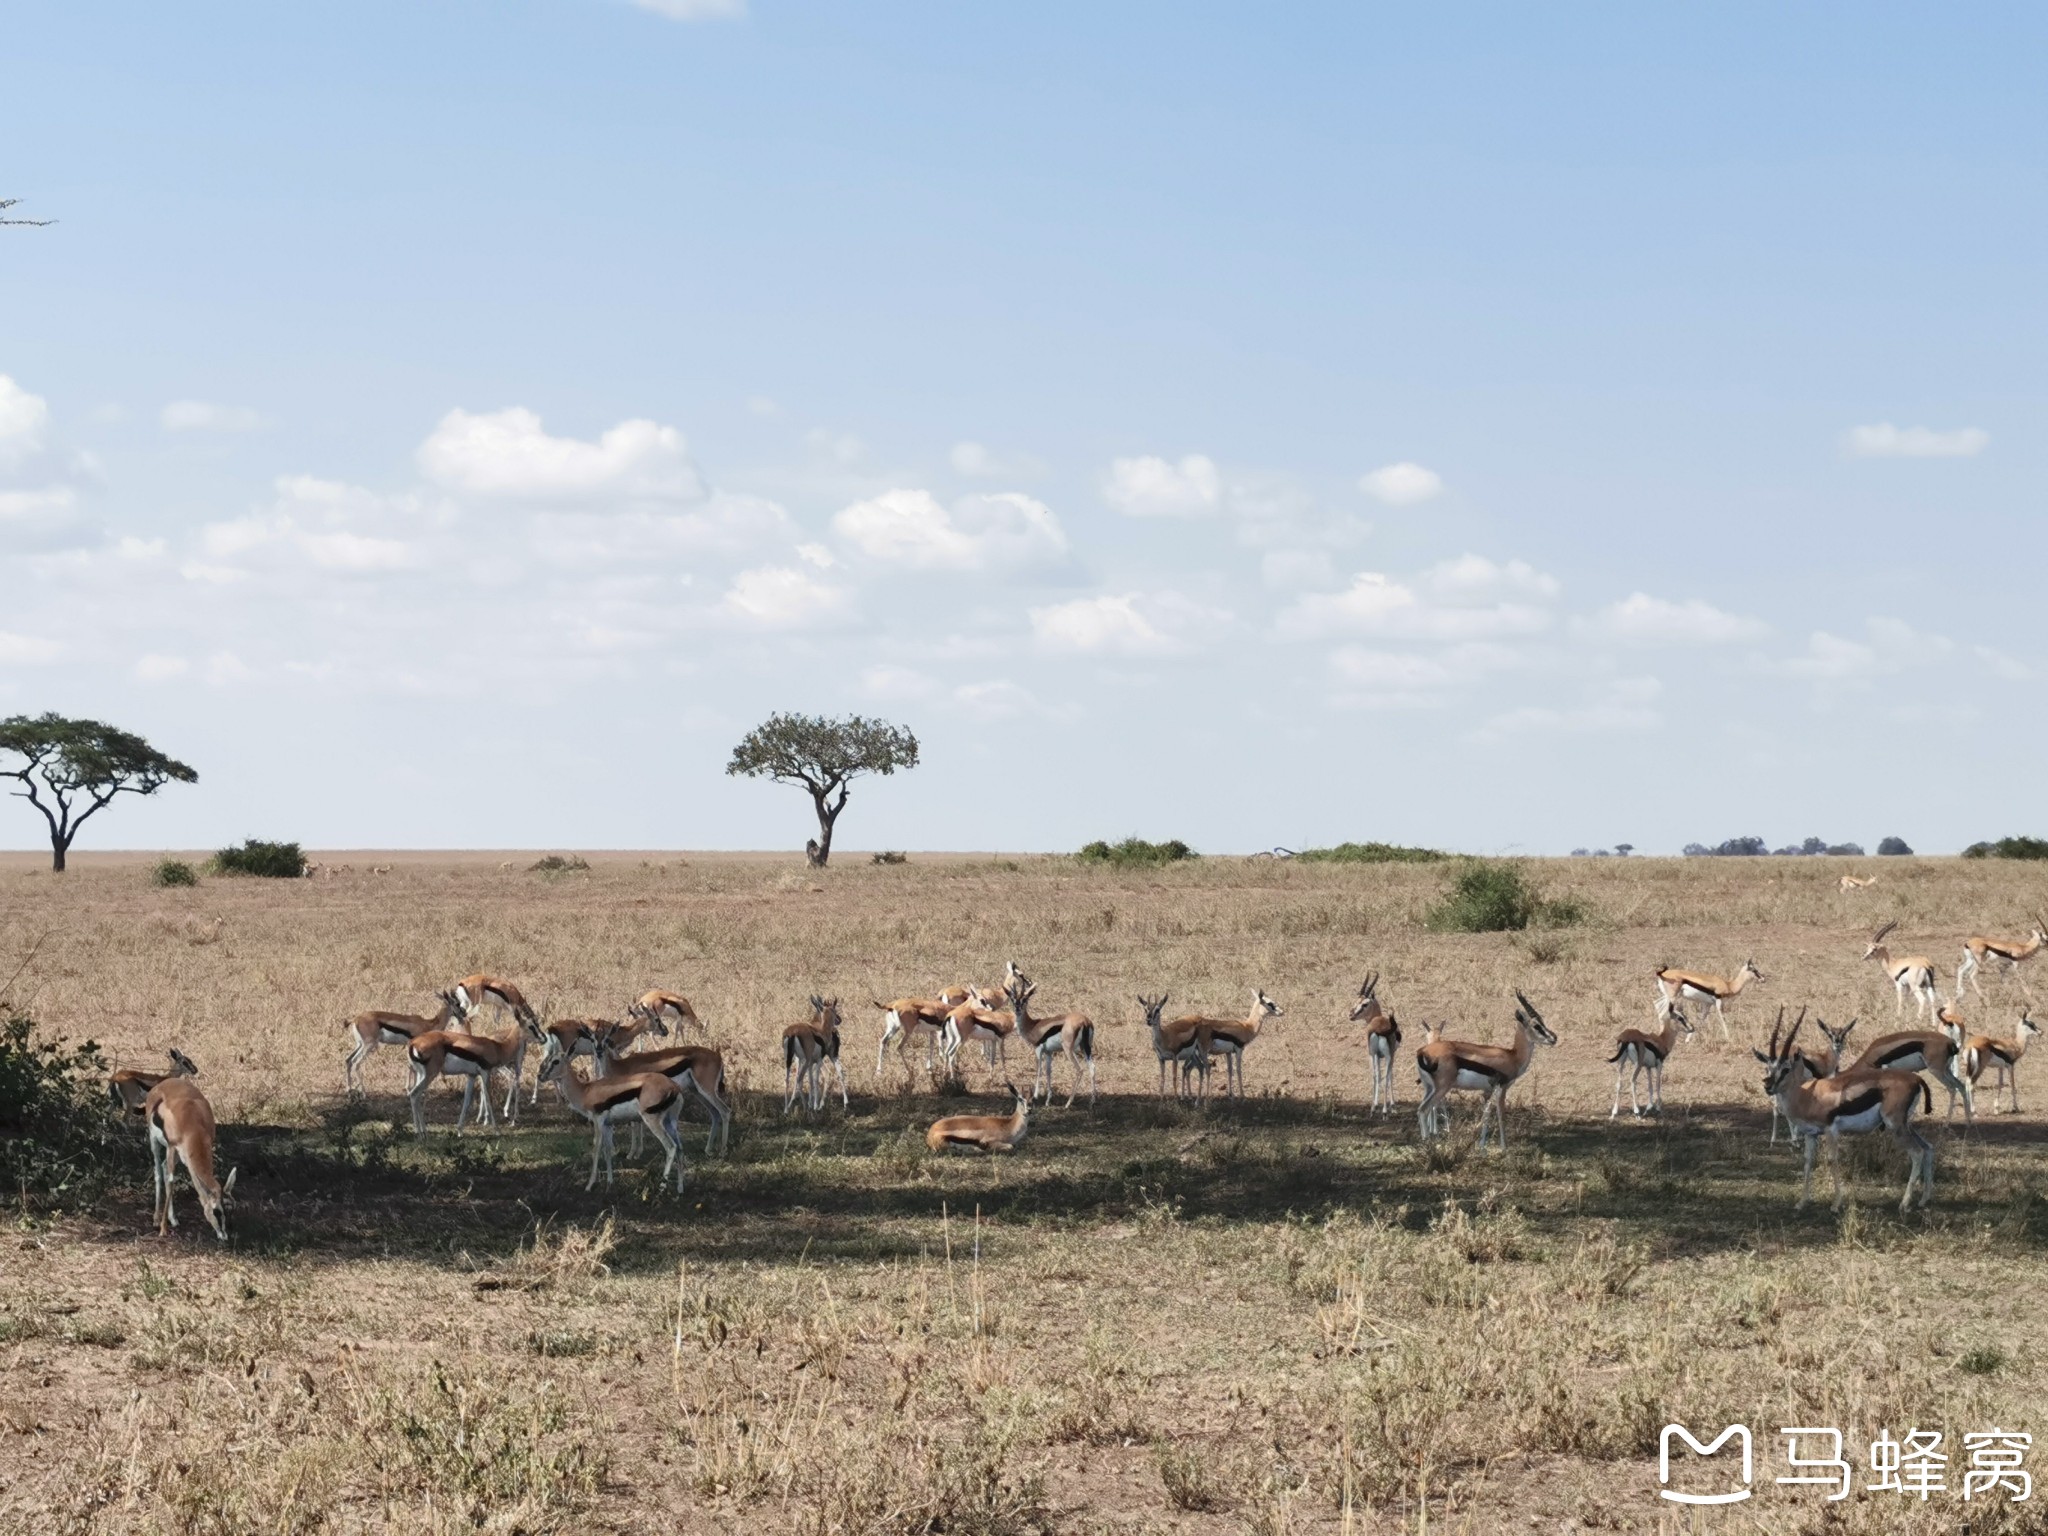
271	861
1136	852
1894	847
1370	853
57	1141
2007	848
1815	846
556	864
1499	898
173	872
891	857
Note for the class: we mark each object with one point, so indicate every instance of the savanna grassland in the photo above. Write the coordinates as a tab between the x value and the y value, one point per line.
1281	1316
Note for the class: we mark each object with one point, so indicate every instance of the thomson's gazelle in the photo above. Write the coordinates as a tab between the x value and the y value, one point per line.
1638	1053
367	1031
181	1130
473	1058
129	1087
1072	1032
2009	953
1819	1064
1986	1053
983	1133
805	1050
1447	1066
1709	991
1932	1051
1382	1040
1907	973
1848	1104
647	1097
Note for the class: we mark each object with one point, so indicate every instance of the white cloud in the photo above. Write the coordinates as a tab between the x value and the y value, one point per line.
1469	598
161	669
2009	669
1126	624
762	405
1893	646
977	462
694	10
893	682
725	523
27	650
1624	706
842	448
1402	485
1381	679
783	597
224	668
24	419
1151	487
354	552
910	528
24	506
998	699
1473	579
508	454
816	554
1885	441
205	416
1640	619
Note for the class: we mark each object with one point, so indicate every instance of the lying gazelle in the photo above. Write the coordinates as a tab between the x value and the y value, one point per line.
1072	1032
129	1087
983	1133
699	1070
1850	883
1982	1053
1382	1040
578	1037
1639	1053
1819	1064
980	1022
670	1008
473	992
1907	973
367	1031
1932	1051
1230	1039
1848	1104
181	1130
2009	953
645	1097
1709	991
1446	1066
805	1050
471	1057
1174	1045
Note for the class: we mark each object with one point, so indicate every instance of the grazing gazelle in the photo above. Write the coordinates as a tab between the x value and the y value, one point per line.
1709	991
181	1131
1819	1064
1638	1053
983	1133
699	1070
1445	1066
367	1031
471	1057
2009	953
1071	1032
1986	1053
1850	883
579	1037
129	1087
473	992
646	1097
1848	1104
669	1007
1933	1051
1907	973
1230	1039
805	1050
1382	1040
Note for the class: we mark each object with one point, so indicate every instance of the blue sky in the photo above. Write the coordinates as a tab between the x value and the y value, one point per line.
1498	427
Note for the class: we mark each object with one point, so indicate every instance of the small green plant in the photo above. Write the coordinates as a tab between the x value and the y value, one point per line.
271	861
1984	1360
556	864
1185	1475
1369	853
173	872
1135	852
56	1138
2009	848
1499	898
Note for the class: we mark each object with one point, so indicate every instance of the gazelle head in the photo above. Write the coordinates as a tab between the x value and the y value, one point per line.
1677	1016
1153	1006
1876	946
2027	1025
181	1064
1264	1008
1368	1004
1022	1101
1784	1064
214	1205
1532	1021
456	1002
2040	933
648	1019
1012	974
1838	1039
1749	969
825	1013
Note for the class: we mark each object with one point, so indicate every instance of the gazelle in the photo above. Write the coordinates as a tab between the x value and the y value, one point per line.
1638	1053
669	1007
1445	1066
1819	1064
699	1070
647	1097
805	1050
471	1057
1932	1051
1982	1053
1849	1104
1072	1032
983	1133
2008	952
909	1019
579	1037
473	992
1709	991
1850	883
367	1031
181	1130
1174	1045
978	1021
1382	1040
1230	1039
1907	973
129	1087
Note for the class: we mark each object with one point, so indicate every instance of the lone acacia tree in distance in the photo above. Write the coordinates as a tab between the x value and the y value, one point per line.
70	769
823	756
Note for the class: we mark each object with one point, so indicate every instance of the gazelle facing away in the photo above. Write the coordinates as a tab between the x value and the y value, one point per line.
1985	1053
805	1050
1907	973
1072	1032
1709	991
2009	953
367	1031
1848	1104
1382	1040
129	1087
181	1130
983	1133
473	1058
647	1097
1638	1053
1932	1051
1447	1066
1819	1064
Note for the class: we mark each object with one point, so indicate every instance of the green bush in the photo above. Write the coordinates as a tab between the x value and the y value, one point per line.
1369	853
274	861
57	1141
1499	898
555	864
1135	851
2009	848
173	872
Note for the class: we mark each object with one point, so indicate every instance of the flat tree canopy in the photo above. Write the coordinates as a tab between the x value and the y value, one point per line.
823	756
71	769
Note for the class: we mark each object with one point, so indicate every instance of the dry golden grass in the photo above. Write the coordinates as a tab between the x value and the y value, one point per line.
1281	1317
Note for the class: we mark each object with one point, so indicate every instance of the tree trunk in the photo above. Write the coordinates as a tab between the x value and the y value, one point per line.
59	846
818	851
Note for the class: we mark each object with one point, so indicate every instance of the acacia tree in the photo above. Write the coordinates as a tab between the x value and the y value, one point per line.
824	756
71	769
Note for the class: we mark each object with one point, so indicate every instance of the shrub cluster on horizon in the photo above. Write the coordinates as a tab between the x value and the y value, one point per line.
2009	848
1813	847
1499	898
1370	853
272	861
556	864
1135	852
173	872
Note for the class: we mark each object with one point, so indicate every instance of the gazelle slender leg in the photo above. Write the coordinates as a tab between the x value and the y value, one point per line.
1806	1176
1835	1166
1615	1109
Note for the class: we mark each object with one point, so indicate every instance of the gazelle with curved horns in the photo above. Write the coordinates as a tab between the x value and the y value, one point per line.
1638	1053
699	1070
129	1087
1986	1053
378	1027
1446	1066
1704	988
1933	1051
647	1097
1819	1064
1174	1046
1230	1039
1382	1041
669	1008
2009	953
1907	973
471	1057
983	1133
806	1048
181	1130
579	1037
1072	1032
1849	1104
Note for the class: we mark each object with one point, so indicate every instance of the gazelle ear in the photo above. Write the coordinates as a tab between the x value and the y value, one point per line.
229	1187
1759	1055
